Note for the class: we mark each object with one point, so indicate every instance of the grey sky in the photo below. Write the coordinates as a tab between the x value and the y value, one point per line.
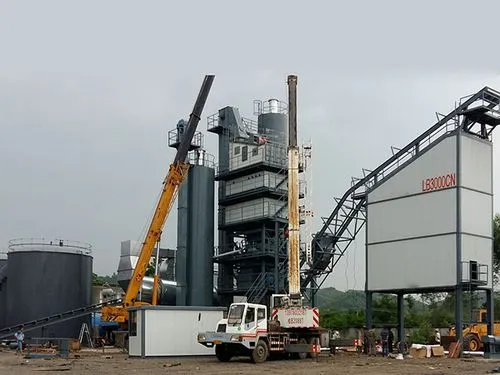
89	90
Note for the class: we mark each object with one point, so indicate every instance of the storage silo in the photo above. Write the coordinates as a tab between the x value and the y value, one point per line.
46	278
195	233
272	121
3	288
201	236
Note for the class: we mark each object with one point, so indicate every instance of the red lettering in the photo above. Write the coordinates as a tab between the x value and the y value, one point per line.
295	312
439	182
453	179
295	321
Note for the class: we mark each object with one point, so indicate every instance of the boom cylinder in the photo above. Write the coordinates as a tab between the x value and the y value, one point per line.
293	194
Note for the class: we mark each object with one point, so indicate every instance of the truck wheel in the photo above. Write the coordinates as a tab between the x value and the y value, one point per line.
223	353
471	343
314	341
302	355
260	352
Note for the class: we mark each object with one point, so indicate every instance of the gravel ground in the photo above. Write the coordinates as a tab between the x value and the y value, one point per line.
118	363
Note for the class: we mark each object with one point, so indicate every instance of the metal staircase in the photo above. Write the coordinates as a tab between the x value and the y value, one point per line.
477	114
56	318
259	288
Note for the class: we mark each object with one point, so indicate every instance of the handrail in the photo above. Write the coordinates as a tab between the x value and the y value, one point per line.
396	156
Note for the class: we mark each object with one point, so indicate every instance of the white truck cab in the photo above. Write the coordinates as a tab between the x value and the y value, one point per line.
239	333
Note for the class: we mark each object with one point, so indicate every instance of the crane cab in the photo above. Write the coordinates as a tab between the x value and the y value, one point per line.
244	318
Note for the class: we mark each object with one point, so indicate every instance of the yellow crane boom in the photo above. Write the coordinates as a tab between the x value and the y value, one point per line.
175	177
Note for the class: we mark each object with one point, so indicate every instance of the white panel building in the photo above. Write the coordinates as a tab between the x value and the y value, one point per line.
164	331
432	217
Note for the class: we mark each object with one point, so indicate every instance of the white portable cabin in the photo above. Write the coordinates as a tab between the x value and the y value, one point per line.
162	331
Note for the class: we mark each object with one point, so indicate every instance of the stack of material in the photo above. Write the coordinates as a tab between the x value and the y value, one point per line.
426	351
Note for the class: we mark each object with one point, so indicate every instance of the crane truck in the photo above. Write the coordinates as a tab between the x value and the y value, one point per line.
292	329
176	175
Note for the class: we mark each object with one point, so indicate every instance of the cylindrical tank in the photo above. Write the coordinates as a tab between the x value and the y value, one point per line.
181	267
3	288
200	249
168	292
274	105
46	278
273	124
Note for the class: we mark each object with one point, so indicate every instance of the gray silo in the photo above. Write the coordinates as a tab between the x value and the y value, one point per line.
3	288
195	233
45	278
272	120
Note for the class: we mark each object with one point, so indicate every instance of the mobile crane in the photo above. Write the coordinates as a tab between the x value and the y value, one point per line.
176	175
293	328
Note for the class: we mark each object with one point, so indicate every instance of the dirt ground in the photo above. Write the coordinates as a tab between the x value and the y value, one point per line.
114	362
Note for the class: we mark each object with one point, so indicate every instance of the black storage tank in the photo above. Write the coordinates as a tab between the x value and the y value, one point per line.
3	288
46	278
194	268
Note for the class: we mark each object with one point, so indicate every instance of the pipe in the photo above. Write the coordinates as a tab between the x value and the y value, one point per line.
293	195
156	278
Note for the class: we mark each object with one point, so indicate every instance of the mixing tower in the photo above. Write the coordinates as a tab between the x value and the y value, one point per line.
252	220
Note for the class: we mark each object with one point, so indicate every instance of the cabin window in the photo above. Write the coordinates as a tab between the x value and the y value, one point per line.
261	315
132	326
250	317
244	153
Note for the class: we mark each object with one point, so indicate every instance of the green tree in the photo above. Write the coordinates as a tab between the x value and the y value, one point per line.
101	280
385	309
496	246
150	270
410	302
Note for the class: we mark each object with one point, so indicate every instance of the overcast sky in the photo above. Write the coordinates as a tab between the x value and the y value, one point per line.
89	90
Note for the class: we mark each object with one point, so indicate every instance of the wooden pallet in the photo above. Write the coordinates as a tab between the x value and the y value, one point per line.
455	349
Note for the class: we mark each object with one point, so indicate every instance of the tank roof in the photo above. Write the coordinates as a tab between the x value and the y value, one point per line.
50	245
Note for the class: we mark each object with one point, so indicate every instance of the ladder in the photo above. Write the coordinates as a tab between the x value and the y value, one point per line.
84	331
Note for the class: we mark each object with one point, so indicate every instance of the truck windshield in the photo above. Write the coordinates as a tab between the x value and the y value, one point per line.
235	315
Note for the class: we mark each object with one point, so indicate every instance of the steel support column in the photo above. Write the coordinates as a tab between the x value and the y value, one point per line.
276	257
369	310
458	289
490	321
401	317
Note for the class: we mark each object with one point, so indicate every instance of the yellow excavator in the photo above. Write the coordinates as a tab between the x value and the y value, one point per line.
473	332
176	175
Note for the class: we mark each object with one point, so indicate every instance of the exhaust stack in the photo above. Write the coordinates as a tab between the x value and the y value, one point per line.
293	197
